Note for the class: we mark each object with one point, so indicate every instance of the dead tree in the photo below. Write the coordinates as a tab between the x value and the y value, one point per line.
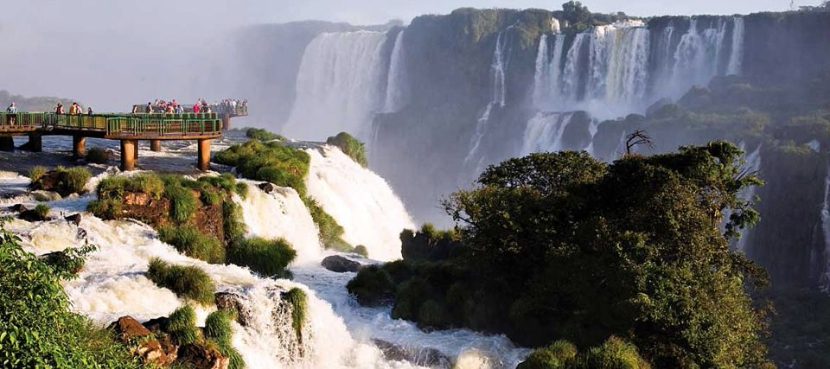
638	137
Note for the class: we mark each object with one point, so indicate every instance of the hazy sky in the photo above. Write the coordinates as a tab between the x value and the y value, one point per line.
109	52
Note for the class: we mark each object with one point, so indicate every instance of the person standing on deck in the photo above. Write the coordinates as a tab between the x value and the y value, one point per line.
149	108
59	109
196	108
12	109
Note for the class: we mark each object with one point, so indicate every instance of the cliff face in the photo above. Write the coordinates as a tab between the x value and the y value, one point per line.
448	95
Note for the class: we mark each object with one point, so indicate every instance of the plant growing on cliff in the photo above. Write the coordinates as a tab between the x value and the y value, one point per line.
73	180
331	233
189	282
36	173
218	329
42	211
98	155
350	146
299	310
194	243
269	258
561	246
272	162
263	135
182	327
37	327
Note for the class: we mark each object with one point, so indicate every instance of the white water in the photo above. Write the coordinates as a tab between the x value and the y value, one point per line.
396	81
281	214
753	165
499	94
737	54
339	86
360	200
544	132
824	279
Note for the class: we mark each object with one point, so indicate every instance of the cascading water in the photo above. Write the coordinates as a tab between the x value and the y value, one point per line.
544	132
396	81
361	201
737	54
824	279
339	85
498	81
753	165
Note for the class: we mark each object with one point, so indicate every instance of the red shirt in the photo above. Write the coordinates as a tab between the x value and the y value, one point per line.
196	108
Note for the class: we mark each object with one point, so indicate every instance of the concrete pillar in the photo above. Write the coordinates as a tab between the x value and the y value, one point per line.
6	143
226	121
155	145
79	146
35	143
203	158
128	154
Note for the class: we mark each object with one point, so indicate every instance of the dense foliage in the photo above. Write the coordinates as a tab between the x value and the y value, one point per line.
272	162
350	146
192	242
262	135
614	353
218	329
188	282
37	328
269	258
561	246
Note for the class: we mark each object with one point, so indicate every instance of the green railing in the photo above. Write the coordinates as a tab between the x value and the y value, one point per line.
117	124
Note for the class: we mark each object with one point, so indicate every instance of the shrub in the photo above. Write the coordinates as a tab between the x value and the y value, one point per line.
182	328
350	146
434	314
615	353
273	162
559	355
299	310
37	327
73	180
331	233
69	262
268	258
262	135
42	211
36	173
371	286
192	242
218	329
115	187
183	203
242	190
189	282
233	223
107	209
98	156
226	181
361	250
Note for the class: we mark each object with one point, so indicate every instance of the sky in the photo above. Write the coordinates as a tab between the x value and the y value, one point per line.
108	52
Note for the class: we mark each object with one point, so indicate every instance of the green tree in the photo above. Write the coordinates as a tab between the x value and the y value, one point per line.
576	13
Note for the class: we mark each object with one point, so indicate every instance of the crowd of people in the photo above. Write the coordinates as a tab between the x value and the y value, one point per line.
231	106
74	109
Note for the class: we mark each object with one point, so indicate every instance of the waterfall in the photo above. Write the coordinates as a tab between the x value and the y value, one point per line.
361	201
737	54
396	81
544	132
753	165
281	214
499	94
339	85
568	92
825	228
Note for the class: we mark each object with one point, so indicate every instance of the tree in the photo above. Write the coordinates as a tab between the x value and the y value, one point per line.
576	13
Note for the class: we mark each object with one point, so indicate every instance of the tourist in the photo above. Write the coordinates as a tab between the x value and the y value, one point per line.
169	109
196	108
12	109
150	108
179	109
59	109
89	111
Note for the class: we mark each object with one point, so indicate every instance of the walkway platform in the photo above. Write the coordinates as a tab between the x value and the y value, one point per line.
127	128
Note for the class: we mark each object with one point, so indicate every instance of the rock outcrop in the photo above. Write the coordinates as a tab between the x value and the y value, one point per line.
341	264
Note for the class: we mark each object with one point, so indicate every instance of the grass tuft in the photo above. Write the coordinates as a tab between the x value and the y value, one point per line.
188	282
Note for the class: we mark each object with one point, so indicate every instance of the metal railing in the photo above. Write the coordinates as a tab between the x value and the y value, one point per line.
238	111
187	124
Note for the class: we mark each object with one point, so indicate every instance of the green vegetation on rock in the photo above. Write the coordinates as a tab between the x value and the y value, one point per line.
37	327
331	233
263	135
299	310
37	172
189	282
272	162
98	155
268	258
350	146
194	243
218	329
559	246
182	327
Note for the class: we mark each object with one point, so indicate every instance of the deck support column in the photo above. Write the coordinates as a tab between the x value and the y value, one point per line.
79	146
35	143
155	145
129	149
203	158
226	121
6	143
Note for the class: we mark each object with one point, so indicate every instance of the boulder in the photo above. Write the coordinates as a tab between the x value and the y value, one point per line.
32	216
44	196
158	325
229	301
19	208
268	187
142	342
659	104
427	356
340	264
74	218
202	357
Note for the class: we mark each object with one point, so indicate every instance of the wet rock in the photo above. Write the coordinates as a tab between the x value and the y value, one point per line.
44	196
143	342
158	325
268	187
232	302
654	108
19	208
74	218
202	357
340	264
32	216
428	357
